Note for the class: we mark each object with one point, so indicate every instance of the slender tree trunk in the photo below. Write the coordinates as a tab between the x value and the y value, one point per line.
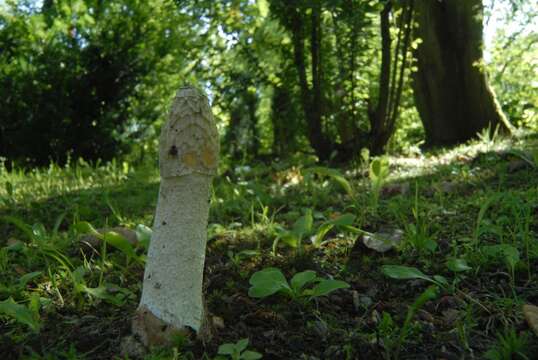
378	114
391	79
311	99
231	139
345	119
450	87
254	145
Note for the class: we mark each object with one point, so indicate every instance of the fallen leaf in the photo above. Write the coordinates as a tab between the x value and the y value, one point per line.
383	240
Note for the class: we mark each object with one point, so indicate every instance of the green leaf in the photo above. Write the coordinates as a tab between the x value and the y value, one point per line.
509	253
121	243
325	287
78	275
21	225
344	220
241	345
440	280
39	231
379	169
263	8
84	227
267	282
251	355
404	273
101	293
322	232
303	226
290	239
26	278
226	349
457	265
299	280
20	313
333	174
248	253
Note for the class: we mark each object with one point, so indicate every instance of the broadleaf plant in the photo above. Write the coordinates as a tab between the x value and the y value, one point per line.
270	281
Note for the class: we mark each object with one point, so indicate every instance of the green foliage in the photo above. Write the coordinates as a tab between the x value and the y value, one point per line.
270	281
509	345
401	272
513	71
378	171
417	234
20	313
238	351
457	265
394	337
294	237
343	221
116	240
72	74
333	174
484	228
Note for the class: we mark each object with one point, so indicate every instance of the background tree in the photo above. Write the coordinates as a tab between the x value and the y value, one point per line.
384	113
325	38
73	75
451	91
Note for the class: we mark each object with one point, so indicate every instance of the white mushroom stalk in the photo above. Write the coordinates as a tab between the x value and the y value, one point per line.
172	299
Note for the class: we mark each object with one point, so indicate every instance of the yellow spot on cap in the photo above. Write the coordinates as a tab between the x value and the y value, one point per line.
189	159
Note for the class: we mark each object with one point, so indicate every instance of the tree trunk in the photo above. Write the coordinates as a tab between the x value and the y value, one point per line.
391	78
310	98
450	87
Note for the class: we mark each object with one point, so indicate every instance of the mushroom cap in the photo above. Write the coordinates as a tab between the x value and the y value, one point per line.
189	140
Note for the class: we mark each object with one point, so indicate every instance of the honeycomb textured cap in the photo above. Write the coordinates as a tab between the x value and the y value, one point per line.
189	140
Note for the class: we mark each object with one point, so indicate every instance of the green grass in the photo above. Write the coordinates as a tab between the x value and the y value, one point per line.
468	215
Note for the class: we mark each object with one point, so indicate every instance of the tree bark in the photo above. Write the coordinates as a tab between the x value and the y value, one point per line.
450	88
391	79
310	97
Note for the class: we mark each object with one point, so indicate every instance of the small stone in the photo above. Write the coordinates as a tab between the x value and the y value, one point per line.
366	301
321	329
218	322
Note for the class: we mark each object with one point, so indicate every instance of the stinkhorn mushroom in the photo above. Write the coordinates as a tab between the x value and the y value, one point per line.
172	299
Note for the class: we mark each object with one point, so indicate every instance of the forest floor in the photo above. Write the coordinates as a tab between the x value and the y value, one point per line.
460	228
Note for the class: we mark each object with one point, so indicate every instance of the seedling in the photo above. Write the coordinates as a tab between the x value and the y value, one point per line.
342	221
509	345
294	237
270	281
394	338
237	351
